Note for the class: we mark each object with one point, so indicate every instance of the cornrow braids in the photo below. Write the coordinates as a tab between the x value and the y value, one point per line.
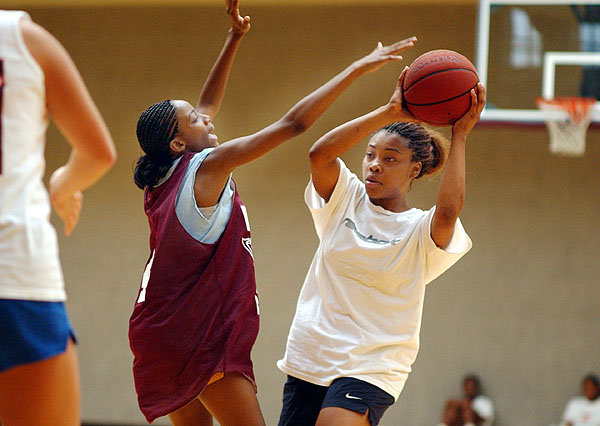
156	128
427	146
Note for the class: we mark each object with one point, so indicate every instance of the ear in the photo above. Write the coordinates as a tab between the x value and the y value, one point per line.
416	169
177	146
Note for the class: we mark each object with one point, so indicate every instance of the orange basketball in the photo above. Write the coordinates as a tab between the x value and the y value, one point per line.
437	87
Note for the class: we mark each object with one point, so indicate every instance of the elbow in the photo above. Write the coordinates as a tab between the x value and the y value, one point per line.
321	158
102	157
298	127
294	125
314	153
108	156
317	155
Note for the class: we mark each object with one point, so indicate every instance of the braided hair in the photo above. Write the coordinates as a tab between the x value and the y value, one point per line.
427	146
156	128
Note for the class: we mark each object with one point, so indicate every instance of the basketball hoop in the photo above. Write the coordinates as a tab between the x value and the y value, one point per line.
567	119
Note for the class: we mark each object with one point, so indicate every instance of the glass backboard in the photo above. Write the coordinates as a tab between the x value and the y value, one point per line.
531	48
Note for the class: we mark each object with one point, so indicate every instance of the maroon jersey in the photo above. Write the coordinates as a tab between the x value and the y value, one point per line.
197	312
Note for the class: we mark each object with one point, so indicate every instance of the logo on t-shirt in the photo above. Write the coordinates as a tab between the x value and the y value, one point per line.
370	239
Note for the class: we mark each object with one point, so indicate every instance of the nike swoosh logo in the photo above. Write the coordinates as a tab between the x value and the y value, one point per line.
352	396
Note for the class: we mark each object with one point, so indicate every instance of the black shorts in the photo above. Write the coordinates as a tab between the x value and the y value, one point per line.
302	401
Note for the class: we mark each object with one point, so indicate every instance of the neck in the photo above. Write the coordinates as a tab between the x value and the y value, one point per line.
398	205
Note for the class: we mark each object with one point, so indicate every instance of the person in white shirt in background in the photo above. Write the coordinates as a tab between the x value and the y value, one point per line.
584	410
474	409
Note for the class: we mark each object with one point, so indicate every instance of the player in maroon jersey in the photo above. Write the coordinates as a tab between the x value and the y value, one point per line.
196	316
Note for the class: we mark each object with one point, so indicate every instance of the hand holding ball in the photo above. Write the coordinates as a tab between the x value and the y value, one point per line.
437	86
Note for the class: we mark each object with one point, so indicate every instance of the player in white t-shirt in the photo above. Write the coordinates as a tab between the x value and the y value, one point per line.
39	378
584	410
355	333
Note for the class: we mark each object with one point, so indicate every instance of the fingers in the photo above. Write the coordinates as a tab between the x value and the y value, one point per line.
478	98
232	7
239	25
396	47
383	54
69	212
245	22
397	97
401	45
402	77
481	96
467	121
392	58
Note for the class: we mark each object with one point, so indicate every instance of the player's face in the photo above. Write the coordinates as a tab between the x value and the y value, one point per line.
388	170
470	388
194	128
590	390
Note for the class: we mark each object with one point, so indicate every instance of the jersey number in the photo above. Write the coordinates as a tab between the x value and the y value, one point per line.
1	103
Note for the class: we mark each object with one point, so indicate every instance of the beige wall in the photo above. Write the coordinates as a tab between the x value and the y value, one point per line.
279	3
521	308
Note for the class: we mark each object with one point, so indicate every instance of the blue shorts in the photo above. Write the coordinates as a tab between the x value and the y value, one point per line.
32	331
302	401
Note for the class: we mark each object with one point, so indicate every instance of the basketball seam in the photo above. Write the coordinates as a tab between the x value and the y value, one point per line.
438	72
445	100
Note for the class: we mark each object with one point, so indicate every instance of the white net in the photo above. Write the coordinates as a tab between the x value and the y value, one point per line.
567	119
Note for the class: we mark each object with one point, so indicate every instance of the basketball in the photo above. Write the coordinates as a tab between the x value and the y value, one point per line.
437	87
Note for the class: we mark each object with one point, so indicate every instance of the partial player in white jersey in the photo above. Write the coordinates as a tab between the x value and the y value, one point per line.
584	410
355	333
39	379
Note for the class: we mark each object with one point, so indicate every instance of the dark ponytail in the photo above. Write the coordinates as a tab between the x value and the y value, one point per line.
148	172
156	128
427	146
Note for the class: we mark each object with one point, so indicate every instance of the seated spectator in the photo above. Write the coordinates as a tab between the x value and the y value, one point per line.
474	409
584	410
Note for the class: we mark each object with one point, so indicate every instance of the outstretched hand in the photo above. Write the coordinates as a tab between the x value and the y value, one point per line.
239	25
464	124
383	54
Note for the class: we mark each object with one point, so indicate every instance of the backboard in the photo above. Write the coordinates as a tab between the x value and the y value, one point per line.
531	48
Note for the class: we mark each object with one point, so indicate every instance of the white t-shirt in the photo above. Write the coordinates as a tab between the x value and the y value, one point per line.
484	408
359	310
29	262
580	411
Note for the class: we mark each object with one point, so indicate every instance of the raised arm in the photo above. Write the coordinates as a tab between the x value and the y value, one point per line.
451	192
214	87
226	157
324	167
78	119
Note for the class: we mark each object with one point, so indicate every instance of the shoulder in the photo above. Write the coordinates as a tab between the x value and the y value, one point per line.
348	181
576	401
37	38
47	51
193	162
484	399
